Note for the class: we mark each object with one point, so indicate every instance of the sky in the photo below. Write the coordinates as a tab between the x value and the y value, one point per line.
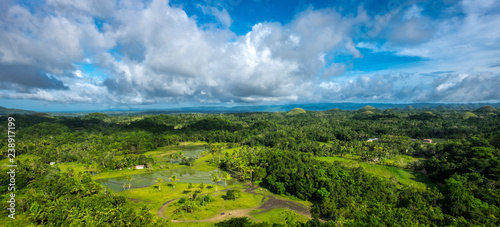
64	55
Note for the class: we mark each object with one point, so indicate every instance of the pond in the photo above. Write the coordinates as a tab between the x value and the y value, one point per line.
186	174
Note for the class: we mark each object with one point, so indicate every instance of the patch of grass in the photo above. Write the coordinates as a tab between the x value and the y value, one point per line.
155	198
192	224
193	143
284	197
403	176
77	167
121	173
216	207
402	160
203	164
281	216
21	158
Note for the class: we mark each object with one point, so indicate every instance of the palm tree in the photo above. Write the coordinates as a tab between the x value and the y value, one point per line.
174	179
251	169
159	180
241	166
201	186
129	179
215	179
213	150
226	176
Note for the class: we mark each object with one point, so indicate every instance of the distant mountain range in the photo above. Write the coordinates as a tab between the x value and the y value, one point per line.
7	111
263	108
316	107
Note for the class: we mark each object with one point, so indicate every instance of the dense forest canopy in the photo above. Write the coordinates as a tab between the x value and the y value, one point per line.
280	150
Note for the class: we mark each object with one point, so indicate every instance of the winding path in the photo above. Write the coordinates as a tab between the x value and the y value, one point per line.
266	205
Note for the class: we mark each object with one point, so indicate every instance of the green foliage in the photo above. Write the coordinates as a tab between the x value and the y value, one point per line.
232	194
486	109
53	194
216	123
242	221
467	115
279	151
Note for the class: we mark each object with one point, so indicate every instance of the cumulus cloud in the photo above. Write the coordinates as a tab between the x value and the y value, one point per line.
221	15
152	52
464	88
465	41
271	62
415	87
35	49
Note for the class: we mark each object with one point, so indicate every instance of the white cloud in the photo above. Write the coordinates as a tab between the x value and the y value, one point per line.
222	15
152	52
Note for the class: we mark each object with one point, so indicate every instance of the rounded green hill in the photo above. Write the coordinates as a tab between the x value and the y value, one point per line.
486	109
467	115
296	111
366	108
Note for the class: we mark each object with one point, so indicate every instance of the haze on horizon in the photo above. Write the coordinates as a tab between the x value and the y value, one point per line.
74	55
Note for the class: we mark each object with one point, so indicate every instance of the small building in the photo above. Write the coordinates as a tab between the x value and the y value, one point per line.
139	166
52	163
427	141
371	140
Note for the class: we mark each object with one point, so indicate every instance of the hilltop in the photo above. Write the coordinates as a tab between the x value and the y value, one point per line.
296	111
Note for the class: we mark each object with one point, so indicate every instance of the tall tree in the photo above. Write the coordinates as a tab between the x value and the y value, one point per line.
226	176
129	179
159	180
174	179
215	179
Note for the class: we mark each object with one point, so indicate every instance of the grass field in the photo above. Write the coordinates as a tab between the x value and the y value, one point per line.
285	197
155	198
21	158
281	216
77	167
403	176
402	160
216	207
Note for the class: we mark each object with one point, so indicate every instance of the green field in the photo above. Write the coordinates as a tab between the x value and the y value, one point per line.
213	209
20	158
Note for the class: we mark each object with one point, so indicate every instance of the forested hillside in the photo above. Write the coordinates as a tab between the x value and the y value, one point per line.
323	157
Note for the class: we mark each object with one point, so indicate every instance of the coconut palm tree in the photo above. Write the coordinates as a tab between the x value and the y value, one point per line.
174	179
215	179
159	180
251	169
129	179
226	176
213	149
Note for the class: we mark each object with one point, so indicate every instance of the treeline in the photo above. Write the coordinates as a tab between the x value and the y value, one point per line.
85	139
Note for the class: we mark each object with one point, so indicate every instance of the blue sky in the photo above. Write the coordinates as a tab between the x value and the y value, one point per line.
91	55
